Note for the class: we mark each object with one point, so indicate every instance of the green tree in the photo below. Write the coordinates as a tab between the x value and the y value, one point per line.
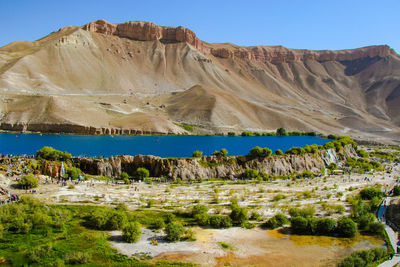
281	132
142	173
278	152
197	154
346	227
174	231
28	181
131	232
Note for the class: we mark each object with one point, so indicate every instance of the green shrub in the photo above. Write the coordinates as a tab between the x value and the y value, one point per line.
332	136
77	257
238	215
299	225
106	219
346	227
376	228
278	152
396	190
202	219
199	209
187	127
370	193
306	212
28	181
169	217
247	133
365	220
174	232
142	173
260	152
219	221
325	226
73	172
295	151
231	134
250	174
311	149
50	153
222	153
281	132
197	154
362	153
276	221
158	224
131	232
124	176
364	258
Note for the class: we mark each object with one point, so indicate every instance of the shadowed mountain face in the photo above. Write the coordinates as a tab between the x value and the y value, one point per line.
138	77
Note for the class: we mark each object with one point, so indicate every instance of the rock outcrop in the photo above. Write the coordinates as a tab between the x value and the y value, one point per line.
210	166
147	31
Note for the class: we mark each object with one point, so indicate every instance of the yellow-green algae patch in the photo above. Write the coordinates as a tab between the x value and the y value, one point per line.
326	241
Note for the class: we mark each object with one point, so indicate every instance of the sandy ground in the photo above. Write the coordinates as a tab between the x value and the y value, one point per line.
216	194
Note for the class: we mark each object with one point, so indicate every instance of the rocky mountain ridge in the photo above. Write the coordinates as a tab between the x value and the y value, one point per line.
138	77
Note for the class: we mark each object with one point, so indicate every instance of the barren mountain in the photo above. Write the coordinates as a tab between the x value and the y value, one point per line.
137	77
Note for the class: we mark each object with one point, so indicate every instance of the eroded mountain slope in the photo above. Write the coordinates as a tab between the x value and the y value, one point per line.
139	77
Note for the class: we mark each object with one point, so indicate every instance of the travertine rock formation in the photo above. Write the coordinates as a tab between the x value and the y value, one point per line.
210	166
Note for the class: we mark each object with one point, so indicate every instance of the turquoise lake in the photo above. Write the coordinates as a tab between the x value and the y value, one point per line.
163	146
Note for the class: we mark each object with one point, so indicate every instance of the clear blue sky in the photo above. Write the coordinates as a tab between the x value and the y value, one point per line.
313	24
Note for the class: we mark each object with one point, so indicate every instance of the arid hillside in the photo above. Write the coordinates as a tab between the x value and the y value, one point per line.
137	77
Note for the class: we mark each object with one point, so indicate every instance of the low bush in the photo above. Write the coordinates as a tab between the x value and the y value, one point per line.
220	221
106	219
174	232
370	193
238	214
197	154
306	212
250	174
73	172
364	258
28	181
131	232
142	173
276	221
50	153
346	227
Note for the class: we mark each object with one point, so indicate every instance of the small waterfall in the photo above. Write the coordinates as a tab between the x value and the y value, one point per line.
329	156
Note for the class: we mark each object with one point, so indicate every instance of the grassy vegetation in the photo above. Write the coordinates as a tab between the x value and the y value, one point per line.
225	246
37	234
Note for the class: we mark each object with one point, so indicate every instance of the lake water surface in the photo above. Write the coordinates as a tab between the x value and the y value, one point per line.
163	146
